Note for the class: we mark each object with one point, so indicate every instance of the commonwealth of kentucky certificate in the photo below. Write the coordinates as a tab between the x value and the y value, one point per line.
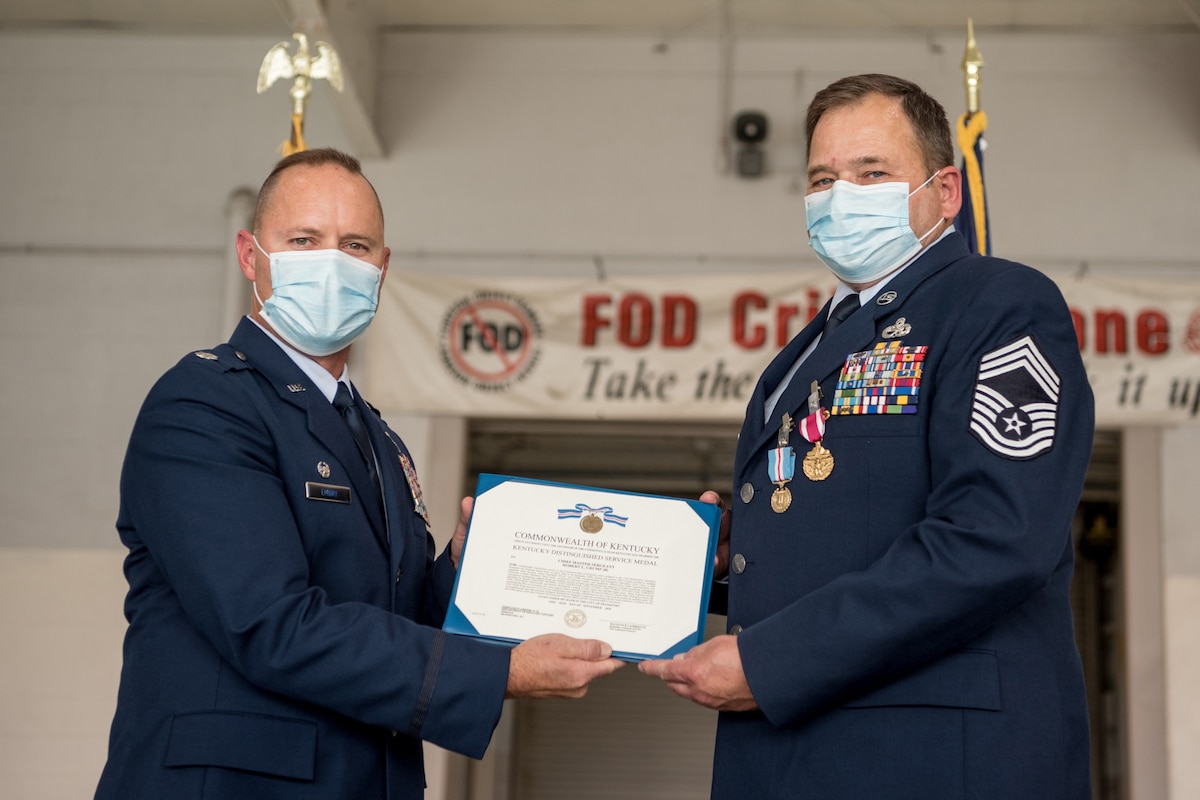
632	570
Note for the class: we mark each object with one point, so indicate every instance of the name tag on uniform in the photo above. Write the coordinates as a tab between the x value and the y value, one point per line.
327	492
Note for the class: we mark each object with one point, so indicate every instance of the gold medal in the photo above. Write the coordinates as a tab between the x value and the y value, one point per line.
591	524
781	499
818	463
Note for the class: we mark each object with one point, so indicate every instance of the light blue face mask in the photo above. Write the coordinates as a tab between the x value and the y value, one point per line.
321	300
862	232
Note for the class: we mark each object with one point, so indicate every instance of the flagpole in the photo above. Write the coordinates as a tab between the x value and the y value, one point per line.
972	65
972	219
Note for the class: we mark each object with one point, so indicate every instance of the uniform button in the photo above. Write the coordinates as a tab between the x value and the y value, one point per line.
395	733
738	564
735	630
747	492
241	356
399	573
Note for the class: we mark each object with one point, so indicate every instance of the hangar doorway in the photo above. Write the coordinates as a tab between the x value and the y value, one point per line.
630	737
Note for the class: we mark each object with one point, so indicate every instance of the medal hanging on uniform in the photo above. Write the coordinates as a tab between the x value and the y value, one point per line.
818	463
781	464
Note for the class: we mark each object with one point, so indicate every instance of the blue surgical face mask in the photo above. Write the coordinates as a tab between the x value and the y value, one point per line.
862	232
321	300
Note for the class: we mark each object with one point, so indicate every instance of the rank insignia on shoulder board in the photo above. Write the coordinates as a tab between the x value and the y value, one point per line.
883	380
1015	409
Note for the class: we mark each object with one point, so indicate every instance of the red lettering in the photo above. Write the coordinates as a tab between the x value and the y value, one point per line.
1153	337
743	336
783	315
592	321
679	320
814	305
1111	323
1080	327
640	306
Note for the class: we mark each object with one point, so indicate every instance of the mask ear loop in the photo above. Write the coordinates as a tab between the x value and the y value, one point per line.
254	239
922	237
254	284
926	183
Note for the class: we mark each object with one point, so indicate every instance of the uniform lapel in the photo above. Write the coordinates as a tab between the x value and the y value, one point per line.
393	482
324	422
827	358
754	432
857	333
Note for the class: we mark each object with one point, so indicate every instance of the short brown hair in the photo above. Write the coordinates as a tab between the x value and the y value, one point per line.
926	115
308	158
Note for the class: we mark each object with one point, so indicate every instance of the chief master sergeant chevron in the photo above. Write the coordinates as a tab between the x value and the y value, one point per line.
282	576
899	624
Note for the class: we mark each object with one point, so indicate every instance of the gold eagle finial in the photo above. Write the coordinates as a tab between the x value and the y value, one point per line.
302	68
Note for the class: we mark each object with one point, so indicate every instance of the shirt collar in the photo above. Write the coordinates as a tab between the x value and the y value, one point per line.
325	383
865	295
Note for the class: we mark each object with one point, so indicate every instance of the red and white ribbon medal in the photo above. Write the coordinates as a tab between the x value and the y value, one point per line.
818	463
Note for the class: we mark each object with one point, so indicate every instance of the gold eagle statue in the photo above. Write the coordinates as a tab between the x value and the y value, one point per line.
302	68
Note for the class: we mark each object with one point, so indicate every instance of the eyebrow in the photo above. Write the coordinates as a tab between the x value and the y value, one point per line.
360	237
315	232
861	161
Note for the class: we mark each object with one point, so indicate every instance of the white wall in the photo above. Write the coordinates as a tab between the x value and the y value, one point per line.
118	154
585	145
1181	556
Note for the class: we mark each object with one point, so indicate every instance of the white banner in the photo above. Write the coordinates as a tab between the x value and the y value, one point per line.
691	348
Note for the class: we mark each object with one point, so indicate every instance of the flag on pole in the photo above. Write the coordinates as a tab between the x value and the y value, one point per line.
972	220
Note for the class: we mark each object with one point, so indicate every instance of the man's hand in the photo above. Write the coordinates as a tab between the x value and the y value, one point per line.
709	674
554	665
459	540
722	558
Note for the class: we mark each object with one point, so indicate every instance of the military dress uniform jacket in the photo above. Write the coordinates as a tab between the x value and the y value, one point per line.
275	646
905	625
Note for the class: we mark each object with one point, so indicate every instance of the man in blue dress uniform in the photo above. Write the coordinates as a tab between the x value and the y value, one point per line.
900	547
283	582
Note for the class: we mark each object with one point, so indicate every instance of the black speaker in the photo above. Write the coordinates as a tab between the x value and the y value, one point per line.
750	127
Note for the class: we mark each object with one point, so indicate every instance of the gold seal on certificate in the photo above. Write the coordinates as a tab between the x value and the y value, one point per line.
633	570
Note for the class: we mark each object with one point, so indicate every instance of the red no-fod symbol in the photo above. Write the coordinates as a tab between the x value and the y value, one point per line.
490	340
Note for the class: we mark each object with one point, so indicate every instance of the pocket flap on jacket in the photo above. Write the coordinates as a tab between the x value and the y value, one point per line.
963	679
286	748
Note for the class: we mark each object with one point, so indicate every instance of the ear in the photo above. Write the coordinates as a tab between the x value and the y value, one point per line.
247	253
949	185
387	257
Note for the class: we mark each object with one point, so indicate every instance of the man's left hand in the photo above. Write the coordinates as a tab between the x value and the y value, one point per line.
709	674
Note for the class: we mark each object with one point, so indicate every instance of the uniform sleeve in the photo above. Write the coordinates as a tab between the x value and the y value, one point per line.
203	495
996	525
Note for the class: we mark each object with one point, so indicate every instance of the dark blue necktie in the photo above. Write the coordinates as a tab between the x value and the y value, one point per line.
345	405
841	313
790	398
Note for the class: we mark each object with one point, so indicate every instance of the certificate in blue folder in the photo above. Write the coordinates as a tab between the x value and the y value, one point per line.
633	570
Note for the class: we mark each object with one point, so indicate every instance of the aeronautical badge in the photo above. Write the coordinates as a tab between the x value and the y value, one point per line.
1015	410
